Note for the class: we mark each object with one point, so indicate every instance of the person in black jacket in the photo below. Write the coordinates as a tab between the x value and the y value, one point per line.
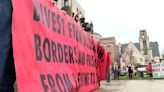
130	72
7	70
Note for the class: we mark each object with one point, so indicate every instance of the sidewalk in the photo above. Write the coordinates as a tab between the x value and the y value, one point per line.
144	86
113	86
132	86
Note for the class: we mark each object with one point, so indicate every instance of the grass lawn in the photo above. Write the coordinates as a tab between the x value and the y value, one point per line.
133	78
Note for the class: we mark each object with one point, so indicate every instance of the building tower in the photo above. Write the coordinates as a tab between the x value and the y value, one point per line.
144	43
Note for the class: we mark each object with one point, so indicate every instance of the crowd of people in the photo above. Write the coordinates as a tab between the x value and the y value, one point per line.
116	71
140	74
130	72
78	17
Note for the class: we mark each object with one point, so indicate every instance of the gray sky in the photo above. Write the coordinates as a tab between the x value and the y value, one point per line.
124	18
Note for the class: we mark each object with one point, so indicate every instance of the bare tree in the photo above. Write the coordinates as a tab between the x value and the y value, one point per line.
130	54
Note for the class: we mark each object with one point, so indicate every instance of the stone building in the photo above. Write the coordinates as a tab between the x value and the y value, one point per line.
74	4
133	54
109	43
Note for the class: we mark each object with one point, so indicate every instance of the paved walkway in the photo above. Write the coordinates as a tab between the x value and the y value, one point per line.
114	86
132	86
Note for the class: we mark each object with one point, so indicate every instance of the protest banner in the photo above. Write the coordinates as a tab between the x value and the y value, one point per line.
158	70
104	61
52	53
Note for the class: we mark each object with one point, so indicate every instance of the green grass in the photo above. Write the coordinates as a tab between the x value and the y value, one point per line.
133	78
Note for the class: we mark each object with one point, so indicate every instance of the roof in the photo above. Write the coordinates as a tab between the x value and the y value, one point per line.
123	47
95	33
155	50
154	47
137	45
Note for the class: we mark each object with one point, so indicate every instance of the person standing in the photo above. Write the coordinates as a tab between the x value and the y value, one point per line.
115	71
7	70
150	74
118	73
130	72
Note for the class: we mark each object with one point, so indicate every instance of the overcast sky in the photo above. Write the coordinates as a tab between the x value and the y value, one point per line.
124	18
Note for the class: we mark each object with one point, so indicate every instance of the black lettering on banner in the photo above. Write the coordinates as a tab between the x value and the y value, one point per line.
68	82
100	54
91	78
84	41
51	83
59	81
83	79
94	80
70	30
88	60
96	63
54	52
79	79
90	44
38	51
75	80
75	32
94	48
47	16
71	55
53	21
65	54
81	58
59	25
36	15
86	78
46	48
45	87
41	13
80	35
63	26
60	52
75	54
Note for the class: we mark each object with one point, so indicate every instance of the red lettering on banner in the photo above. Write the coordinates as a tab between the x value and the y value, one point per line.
157	70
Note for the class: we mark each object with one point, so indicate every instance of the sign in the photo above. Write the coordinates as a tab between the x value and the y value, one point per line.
158	70
52	53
